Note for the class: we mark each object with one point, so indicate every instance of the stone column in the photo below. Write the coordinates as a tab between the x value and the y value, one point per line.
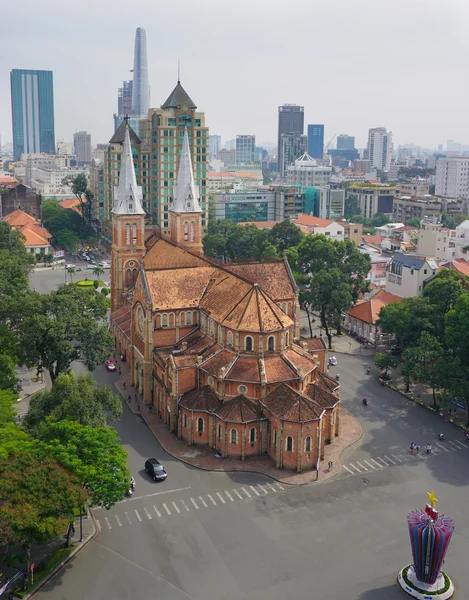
191	429
211	427
279	461
299	451
243	444
225	442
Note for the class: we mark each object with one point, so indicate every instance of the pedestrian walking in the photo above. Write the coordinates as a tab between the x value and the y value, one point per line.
330	465
417	448
124	384
428	448
138	406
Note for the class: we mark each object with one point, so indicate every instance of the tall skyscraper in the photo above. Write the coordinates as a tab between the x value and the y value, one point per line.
82	146
293	145
291	119
124	99
140	88
214	145
245	149
345	142
379	148
315	140
32	107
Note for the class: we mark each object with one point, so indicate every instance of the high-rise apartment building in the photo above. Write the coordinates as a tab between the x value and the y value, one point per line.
245	149
32	107
316	140
124	99
141	87
214	145
345	142
291	120
292	146
162	137
82	147
379	148
452	177
306	172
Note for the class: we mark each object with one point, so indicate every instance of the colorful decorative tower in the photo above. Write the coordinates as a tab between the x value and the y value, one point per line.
430	534
128	228
185	214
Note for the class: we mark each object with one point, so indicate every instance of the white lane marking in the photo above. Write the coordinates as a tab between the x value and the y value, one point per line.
118	520
156	510
382	460
263	489
280	486
390	459
238	494
453	444
442	447
347	469
203	501
362	466
246	492
271	487
375	461
369	464
185	505
138	516
356	468
229	495
107	522
176	507
223	501
213	501
147	496
460	444
128	518
166	508
98	524
194	504
396	457
254	490
147	513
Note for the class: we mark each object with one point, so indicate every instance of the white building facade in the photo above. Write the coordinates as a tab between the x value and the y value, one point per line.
406	274
452	177
306	172
379	149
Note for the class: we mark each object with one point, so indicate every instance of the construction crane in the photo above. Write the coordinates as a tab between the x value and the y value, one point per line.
329	143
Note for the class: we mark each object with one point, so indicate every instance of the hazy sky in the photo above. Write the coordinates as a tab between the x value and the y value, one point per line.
401	64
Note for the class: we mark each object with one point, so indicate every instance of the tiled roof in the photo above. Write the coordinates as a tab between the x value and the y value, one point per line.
164	255
213	364
182	289
368	311
239	410
272	277
69	203
288	404
277	369
29	227
185	361
202	399
312	344
246	369
376	240
178	97
407	260
32	237
459	264
311	221
300	359
18	218
119	135
325	382
324	398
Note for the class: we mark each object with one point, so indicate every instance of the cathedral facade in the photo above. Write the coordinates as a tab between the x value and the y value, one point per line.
215	349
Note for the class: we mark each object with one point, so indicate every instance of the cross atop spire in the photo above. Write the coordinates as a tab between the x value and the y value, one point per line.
127	195
185	192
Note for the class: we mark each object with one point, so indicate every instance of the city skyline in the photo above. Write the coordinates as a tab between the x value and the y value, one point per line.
412	107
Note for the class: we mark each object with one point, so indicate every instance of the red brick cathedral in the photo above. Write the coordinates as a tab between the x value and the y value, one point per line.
215	349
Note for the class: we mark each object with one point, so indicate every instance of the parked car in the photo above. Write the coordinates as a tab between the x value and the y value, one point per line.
155	469
78	269
110	365
70	266
395	350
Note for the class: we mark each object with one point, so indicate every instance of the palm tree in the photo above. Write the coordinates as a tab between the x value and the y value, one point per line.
98	271
71	271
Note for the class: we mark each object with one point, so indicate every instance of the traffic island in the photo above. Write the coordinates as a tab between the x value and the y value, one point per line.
442	589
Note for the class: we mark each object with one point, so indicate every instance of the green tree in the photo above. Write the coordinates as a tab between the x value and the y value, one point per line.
352	206
8	378
407	319
15	263
431	189
379	220
77	399
64	326
14	439
457	339
443	292
79	185
71	271
94	455
97	272
285	234
385	361
413	223
38	500
7	411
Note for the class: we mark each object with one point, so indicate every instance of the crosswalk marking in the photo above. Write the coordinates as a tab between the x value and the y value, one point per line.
185	505
194	504
443	447
176	507
254	490
128	518
246	492
369	464
147	513
362	466
453	444
356	468
118	521
203	501
229	495
347	469
382	460
107	522
239	495
271	487
390	459
166	508
212	500
280	486
138	516
375	461
396	457
263	489
223	501
156	510
460	444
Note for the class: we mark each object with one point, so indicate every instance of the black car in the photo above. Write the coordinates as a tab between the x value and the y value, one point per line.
395	350
155	469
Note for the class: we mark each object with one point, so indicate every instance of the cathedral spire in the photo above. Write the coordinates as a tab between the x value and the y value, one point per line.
127	195
185	192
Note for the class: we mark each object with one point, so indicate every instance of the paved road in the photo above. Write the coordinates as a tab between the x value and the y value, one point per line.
217	536
46	280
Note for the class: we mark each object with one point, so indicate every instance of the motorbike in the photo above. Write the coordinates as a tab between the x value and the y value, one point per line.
337	377
365	402
129	493
441	437
133	485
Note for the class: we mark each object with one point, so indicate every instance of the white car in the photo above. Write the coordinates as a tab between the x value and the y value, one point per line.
70	266
106	266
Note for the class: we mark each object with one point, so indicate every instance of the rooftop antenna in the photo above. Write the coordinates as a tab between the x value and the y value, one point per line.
179	71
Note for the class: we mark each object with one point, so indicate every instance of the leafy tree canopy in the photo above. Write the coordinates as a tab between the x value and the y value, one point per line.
285	234
407	319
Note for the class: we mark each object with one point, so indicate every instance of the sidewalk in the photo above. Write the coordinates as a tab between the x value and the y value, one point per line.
29	387
203	458
44	553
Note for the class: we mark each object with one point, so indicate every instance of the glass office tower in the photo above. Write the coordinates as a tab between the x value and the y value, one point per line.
32	107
